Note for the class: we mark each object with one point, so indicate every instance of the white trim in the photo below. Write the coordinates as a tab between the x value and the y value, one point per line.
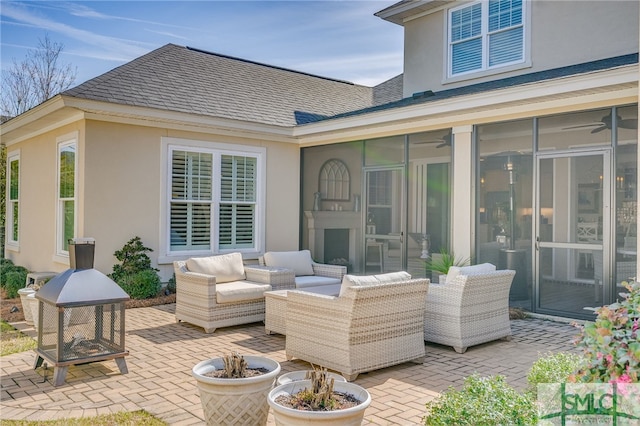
10	243
217	149
64	141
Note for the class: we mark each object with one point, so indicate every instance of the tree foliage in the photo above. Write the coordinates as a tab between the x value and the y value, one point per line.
38	77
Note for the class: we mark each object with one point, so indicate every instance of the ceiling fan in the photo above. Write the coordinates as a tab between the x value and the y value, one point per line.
605	123
442	142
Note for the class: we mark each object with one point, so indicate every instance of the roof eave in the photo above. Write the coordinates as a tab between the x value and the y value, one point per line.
397	13
597	88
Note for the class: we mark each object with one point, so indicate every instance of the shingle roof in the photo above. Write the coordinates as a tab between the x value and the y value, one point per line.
193	81
388	91
428	96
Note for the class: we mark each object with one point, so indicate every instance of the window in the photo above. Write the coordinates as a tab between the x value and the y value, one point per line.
66	195
214	200
13	202
486	35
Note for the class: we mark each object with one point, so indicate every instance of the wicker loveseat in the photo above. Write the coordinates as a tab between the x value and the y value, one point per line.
220	291
471	308
308	273
372	324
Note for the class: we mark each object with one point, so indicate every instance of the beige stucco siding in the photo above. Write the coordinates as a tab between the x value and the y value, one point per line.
598	30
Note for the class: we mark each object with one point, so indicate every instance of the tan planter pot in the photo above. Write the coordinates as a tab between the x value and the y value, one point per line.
26	306
235	401
285	416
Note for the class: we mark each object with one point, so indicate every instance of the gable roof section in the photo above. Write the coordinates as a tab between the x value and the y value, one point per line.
182	79
428	96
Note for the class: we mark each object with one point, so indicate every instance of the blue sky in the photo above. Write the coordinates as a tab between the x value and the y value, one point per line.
338	39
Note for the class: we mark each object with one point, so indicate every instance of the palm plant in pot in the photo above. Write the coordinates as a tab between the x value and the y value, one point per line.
233	389
319	400
439	263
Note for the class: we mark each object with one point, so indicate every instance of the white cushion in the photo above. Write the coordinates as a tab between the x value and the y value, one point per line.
454	271
298	261
482	268
305	281
391	277
349	280
239	291
327	290
225	267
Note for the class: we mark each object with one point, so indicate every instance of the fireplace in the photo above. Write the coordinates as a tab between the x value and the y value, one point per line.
346	226
80	316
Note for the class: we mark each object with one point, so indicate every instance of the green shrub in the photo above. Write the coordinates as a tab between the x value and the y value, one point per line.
14	281
134	258
612	343
552	368
441	264
481	401
171	284
141	285
6	267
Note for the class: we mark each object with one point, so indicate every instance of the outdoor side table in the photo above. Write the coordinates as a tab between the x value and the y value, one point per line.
275	311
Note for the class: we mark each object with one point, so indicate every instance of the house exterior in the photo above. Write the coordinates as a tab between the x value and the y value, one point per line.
510	138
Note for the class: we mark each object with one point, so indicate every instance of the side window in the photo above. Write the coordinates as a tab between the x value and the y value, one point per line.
66	195
486	35
13	199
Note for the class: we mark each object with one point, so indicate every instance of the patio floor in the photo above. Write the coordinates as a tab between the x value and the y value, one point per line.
163	352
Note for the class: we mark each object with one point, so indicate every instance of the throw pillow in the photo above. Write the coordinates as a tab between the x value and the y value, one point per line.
298	261
356	280
225	267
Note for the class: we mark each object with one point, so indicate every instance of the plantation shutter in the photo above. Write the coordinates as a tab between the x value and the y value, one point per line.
466	39
506	33
190	210
237	202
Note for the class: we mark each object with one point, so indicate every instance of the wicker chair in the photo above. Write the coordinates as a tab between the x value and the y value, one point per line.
200	299
364	329
469	310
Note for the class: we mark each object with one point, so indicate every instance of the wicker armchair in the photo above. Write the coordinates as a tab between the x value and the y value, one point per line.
204	301
365	328
469	310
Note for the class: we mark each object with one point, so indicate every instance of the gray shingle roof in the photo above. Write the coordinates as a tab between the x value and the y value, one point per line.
188	80
388	91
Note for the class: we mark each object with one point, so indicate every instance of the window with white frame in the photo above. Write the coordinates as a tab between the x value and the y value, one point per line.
66	195
214	200
486	35
13	198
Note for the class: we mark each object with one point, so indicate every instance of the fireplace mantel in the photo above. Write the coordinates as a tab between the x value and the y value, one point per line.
318	221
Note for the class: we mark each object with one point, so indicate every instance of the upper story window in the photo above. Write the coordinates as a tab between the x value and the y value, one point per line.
486	35
214	200
13	198
66	195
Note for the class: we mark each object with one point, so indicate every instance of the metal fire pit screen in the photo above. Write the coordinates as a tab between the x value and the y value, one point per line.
80	334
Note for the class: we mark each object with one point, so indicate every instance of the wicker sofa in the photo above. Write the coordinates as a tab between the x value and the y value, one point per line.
220	291
308	274
375	322
471	308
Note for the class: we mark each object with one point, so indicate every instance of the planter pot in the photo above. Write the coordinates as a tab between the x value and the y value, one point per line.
285	416
296	376
235	401
26	306
50	323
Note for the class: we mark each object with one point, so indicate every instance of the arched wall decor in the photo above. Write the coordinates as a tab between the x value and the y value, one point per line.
334	181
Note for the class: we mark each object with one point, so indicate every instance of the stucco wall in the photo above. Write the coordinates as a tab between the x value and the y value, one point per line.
120	192
562	33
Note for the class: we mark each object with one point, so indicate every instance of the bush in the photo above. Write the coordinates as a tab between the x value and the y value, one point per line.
482	401
612	343
552	368
14	281
133	256
171	284
141	285
6	267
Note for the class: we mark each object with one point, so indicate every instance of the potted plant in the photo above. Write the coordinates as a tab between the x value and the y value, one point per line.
439	263
233	389
319	400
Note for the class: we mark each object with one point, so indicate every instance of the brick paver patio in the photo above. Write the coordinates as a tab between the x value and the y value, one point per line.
163	352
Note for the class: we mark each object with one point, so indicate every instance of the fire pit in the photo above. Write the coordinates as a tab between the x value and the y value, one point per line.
81	316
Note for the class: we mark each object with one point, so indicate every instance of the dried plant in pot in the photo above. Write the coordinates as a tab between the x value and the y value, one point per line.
233	389
319	400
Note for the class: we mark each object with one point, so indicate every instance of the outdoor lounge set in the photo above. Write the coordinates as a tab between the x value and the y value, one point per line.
347	323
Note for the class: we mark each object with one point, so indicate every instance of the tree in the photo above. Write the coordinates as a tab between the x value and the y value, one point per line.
35	79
